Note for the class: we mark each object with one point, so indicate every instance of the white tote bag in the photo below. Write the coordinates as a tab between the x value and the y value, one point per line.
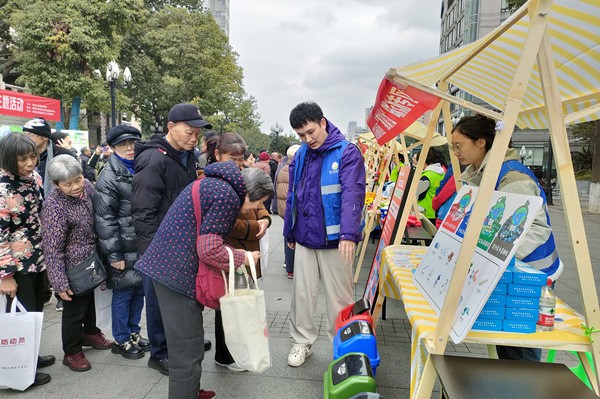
245	322
103	302
20	335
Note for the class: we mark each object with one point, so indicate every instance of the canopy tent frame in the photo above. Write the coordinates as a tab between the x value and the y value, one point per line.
536	47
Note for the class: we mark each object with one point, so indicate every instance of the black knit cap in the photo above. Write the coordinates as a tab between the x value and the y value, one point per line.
38	126
121	133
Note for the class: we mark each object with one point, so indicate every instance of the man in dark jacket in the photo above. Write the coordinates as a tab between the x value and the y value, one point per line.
322	222
163	168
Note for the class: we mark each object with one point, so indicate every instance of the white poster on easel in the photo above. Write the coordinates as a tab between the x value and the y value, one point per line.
508	219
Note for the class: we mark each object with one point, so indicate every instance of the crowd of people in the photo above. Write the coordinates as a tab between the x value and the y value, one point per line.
130	203
125	202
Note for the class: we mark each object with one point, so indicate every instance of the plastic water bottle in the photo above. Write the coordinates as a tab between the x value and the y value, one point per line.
547	308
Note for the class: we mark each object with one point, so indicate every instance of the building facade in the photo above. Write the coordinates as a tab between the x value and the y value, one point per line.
220	11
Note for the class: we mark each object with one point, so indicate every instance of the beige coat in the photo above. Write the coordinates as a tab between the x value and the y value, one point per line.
281	189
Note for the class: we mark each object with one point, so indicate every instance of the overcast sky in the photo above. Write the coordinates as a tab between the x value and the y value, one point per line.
334	52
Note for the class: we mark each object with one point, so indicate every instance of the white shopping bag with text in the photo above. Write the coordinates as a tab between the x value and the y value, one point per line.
20	335
245	321
103	301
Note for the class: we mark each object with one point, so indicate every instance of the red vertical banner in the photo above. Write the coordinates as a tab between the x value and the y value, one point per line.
396	108
27	106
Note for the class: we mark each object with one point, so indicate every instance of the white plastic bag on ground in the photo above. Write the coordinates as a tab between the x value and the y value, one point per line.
20	335
245	322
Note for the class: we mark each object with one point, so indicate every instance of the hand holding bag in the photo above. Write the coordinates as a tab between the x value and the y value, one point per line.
87	275
209	282
245	321
20	336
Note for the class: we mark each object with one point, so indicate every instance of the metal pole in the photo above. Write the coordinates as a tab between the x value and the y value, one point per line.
549	199
113	105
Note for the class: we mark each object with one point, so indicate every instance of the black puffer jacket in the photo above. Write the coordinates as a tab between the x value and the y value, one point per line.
112	213
159	178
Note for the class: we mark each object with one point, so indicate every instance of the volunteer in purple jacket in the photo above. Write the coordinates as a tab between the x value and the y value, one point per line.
322	222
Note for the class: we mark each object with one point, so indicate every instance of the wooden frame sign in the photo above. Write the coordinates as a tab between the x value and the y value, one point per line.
388	233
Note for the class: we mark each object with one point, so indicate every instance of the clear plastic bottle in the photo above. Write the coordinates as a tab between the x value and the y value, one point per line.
547	308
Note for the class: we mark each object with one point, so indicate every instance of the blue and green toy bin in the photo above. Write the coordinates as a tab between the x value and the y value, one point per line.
349	375
357	336
367	395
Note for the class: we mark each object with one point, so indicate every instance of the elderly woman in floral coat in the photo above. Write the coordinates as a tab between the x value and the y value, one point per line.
21	257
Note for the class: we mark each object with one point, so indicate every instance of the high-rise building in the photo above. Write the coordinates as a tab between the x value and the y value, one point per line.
465	21
220	11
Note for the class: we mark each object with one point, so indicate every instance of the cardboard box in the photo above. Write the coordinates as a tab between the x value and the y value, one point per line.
488	325
524	274
500	289
522	302
532	291
496	300
492	312
518	326
522	314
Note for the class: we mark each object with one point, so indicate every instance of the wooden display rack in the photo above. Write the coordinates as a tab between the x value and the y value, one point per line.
537	46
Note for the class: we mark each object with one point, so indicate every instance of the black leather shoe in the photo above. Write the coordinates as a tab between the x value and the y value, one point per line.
207	345
140	341
45	361
40	379
129	350
160	365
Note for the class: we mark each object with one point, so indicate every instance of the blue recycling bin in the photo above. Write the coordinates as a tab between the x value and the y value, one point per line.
357	336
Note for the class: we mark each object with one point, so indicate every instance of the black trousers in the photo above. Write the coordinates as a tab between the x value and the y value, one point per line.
222	354
78	318
30	291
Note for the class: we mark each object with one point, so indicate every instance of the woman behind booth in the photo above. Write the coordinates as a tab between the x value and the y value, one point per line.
472	138
117	242
68	239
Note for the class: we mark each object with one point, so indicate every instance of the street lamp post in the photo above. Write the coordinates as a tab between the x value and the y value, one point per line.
523	154
112	75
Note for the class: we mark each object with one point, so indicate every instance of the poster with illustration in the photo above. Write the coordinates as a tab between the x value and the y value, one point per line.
507	219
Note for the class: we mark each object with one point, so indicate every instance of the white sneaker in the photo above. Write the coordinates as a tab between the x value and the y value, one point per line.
232	366
298	355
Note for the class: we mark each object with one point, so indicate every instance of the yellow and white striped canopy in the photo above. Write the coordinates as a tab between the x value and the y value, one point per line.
574	28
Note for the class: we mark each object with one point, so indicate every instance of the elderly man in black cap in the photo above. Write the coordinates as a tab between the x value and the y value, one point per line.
163	168
40	133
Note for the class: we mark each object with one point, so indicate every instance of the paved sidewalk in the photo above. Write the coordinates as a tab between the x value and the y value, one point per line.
112	376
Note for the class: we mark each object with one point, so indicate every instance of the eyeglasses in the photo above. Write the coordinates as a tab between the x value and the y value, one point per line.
456	147
126	144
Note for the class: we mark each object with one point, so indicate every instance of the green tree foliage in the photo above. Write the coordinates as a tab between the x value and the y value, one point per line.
191	5
280	142
181	56
58	44
515	4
